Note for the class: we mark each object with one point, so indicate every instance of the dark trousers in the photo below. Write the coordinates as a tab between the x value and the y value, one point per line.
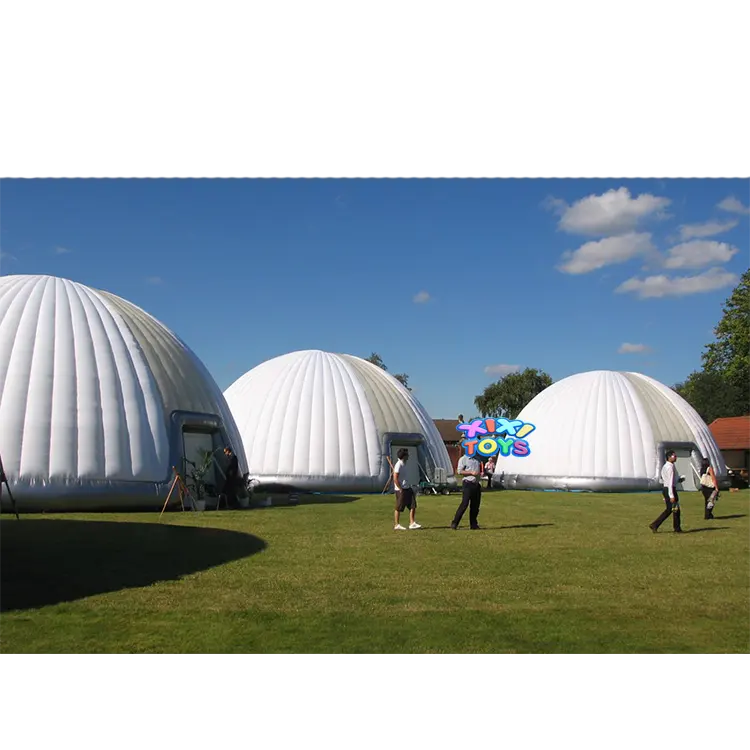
668	512
489	480
230	490
471	499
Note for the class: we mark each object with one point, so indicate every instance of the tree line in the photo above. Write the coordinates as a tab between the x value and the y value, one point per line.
721	388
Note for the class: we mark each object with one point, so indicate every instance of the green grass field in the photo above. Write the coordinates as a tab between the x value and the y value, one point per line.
547	573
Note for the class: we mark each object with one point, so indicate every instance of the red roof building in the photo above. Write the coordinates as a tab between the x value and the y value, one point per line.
732	435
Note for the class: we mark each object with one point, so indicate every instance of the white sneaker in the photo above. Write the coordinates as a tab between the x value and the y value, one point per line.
399	527
415	525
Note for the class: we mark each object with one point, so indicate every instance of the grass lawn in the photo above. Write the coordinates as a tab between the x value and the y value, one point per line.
548	572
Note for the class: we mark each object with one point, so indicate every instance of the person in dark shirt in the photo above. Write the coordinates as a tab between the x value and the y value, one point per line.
231	484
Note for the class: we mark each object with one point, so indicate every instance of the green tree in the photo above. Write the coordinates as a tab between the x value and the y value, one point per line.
729	355
402	377
711	395
508	396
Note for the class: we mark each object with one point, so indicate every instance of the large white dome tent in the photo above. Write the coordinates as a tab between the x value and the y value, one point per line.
98	400
317	421
609	431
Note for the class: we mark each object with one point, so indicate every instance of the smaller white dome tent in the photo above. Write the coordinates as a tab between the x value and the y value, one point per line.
326	422
98	400
608	431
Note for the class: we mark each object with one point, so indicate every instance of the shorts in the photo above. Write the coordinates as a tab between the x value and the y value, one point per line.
405	499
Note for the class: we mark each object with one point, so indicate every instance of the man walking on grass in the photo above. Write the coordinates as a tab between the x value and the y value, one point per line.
470	470
669	479
405	497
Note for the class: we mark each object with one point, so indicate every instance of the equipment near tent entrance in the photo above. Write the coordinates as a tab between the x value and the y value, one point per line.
199	449
182	493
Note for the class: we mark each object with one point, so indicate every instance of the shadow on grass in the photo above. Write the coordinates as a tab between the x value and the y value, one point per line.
705	528
284	502
495	528
325	499
726	518
45	562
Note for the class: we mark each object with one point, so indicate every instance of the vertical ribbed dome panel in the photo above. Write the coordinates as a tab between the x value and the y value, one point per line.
697	430
77	399
321	421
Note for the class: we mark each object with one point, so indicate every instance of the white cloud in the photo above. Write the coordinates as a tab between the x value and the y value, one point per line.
633	349
62	251
422	297
154	280
734	206
699	253
613	212
606	252
501	370
707	229
678	286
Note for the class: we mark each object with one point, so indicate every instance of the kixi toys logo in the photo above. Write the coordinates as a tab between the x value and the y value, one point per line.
489	437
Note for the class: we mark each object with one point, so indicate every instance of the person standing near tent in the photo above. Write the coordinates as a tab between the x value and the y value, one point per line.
405	497
489	470
709	488
232	478
470	470
669	480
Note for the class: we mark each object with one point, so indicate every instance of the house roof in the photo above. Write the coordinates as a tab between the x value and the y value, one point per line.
731	433
447	430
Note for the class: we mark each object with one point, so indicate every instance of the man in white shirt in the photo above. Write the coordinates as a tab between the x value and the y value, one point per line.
669	480
469	468
405	497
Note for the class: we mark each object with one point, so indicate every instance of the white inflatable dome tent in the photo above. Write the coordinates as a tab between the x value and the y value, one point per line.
320	422
98	400
609	431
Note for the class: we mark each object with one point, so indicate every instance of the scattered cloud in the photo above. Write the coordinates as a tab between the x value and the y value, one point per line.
734	206
633	349
606	252
154	280
699	253
613	212
678	286
62	251
501	370
707	229
7	256
422	297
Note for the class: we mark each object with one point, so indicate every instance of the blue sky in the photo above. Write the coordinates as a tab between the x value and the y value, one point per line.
443	278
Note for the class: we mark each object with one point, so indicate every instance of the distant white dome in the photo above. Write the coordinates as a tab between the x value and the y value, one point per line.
328	422
94	396
606	430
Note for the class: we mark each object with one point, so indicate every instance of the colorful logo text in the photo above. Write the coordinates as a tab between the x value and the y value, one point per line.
489	437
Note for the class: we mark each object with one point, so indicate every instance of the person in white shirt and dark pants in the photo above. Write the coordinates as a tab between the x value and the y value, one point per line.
470	470
669	480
